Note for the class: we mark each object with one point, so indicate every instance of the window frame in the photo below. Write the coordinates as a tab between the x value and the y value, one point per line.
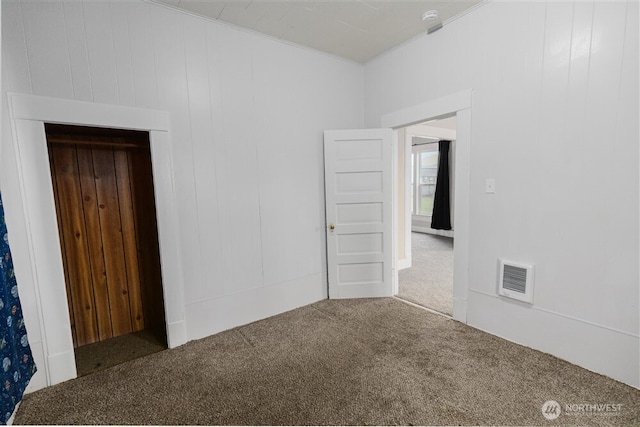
416	155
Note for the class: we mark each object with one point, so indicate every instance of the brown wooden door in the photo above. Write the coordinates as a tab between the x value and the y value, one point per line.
103	190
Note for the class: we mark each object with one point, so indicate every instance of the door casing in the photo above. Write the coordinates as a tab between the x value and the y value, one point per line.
460	104
42	277
106	212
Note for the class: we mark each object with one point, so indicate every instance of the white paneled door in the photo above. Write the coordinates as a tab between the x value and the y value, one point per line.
358	182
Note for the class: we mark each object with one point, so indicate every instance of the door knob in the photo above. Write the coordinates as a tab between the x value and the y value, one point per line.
332	227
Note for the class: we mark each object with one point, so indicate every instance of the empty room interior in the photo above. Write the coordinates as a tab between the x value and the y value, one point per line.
309	212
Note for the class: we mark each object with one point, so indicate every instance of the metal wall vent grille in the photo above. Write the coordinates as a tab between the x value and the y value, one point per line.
516	281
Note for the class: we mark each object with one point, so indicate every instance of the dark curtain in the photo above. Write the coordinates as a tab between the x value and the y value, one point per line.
17	366
441	216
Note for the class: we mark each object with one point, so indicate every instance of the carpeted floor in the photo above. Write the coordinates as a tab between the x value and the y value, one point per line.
114	351
429	281
337	362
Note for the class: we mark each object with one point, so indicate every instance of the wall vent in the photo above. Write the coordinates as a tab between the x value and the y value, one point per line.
516	281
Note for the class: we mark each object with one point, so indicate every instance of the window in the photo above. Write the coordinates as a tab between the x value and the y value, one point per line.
424	173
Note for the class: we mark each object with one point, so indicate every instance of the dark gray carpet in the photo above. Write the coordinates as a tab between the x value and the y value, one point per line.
114	351
345	362
429	281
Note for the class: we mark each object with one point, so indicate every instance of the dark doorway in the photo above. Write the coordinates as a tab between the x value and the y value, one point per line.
103	189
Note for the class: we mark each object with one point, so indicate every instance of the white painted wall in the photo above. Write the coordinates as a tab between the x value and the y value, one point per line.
555	122
247	115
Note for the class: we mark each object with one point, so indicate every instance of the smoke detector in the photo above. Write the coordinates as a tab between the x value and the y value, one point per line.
430	16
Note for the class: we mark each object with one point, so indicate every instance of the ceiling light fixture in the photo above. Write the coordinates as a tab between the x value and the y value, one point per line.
430	16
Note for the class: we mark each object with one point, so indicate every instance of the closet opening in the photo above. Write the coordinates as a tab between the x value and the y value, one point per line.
105	205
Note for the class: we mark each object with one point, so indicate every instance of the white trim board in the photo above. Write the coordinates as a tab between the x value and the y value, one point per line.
617	359
28	115
426	230
458	103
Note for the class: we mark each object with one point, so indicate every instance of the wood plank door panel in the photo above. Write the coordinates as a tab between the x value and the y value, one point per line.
149	252
96	255
129	242
65	265
111	229
74	242
108	233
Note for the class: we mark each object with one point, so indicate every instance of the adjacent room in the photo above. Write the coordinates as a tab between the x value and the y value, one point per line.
426	259
309	212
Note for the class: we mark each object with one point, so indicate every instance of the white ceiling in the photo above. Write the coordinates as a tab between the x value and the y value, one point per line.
353	29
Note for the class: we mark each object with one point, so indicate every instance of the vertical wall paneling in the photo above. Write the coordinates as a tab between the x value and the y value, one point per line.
217	149
579	71
243	157
599	125
276	191
143	64
607	43
20	251
554	121
555	74
173	97
119	12
623	143
78	52
18	75
102	57
243	235
46	45
203	177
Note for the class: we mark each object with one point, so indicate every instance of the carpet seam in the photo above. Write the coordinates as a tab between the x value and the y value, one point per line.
325	314
245	339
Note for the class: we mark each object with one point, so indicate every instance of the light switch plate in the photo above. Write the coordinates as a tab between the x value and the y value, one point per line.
490	186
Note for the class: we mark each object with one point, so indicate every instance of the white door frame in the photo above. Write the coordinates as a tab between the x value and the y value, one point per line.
458	103
46	280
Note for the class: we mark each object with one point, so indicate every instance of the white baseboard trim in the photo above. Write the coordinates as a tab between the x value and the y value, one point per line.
574	340
428	230
176	334
39	379
205	318
404	263
62	367
460	309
